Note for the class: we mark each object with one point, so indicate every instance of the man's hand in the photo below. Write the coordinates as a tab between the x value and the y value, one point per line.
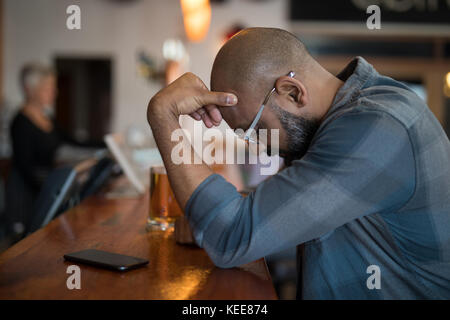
186	95
189	95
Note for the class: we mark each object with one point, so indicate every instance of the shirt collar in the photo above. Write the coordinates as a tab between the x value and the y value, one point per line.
355	75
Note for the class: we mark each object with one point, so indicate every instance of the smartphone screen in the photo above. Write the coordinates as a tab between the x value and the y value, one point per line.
106	260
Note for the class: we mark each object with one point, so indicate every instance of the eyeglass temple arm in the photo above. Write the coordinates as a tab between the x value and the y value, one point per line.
258	115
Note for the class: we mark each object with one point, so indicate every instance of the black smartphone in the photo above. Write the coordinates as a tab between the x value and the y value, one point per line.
106	260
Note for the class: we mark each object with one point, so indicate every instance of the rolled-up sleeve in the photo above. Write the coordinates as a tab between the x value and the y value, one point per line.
361	163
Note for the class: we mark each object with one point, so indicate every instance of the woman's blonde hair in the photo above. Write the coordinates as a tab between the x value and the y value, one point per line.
32	73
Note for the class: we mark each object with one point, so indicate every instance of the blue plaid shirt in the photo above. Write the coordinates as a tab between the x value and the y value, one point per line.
372	190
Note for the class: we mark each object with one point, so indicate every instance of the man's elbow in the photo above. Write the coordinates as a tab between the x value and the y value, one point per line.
223	263
227	261
227	241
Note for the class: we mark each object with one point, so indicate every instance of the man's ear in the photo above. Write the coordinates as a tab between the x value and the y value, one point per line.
293	88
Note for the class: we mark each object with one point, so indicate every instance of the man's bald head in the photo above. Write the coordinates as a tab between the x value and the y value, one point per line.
258	59
255	57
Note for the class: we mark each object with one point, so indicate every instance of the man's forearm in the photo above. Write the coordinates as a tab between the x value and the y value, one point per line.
184	178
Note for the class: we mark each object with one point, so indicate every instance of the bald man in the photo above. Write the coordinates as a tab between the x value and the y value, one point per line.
368	187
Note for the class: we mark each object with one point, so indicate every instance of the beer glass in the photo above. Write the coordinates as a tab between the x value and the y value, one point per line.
163	207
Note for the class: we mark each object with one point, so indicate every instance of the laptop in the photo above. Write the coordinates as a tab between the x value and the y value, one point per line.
134	161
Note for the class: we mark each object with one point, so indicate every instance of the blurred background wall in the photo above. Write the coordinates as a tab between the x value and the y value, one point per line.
415	50
36	30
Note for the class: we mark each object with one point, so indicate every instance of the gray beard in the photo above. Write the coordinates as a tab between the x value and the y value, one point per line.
299	132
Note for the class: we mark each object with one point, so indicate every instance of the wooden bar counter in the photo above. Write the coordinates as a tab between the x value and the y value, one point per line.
35	268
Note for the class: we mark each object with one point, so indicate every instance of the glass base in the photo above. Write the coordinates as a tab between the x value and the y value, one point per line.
160	224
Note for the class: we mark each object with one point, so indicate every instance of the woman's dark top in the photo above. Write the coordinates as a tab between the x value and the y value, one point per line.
33	159
33	150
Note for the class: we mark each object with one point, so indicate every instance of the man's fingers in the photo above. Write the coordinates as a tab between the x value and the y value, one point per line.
205	117
214	114
195	116
201	112
217	98
207	120
210	117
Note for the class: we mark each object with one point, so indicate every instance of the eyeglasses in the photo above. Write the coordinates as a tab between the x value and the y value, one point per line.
250	134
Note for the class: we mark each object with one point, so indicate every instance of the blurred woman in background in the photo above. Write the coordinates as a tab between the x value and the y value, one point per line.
34	142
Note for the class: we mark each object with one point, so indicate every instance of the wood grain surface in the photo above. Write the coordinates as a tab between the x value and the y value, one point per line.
35	268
